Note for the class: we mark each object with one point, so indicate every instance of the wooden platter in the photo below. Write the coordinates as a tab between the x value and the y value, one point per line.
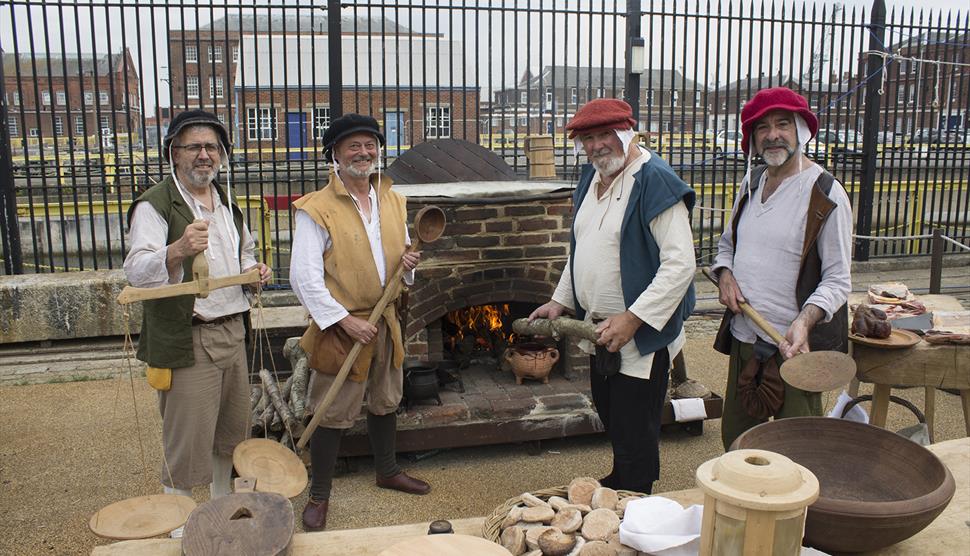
275	468
899	339
242	523
141	517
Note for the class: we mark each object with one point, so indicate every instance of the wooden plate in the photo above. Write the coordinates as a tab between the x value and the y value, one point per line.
141	517
819	371
240	523
897	340
446	545
275	468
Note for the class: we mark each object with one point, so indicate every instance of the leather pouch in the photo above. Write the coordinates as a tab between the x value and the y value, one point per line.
760	387
605	362
159	379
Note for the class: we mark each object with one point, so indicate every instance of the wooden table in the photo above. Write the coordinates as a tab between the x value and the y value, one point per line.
947	535
927	365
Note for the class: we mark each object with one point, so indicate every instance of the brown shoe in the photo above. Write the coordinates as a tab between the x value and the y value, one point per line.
315	515
405	483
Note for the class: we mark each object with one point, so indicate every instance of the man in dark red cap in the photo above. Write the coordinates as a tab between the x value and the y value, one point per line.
349	238
631	271
786	253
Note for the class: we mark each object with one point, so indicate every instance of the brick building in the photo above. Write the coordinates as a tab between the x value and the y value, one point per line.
70	98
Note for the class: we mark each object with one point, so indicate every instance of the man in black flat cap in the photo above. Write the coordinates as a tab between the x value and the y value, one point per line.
349	238
195	348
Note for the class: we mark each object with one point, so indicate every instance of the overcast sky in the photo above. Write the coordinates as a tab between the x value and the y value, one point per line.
710	55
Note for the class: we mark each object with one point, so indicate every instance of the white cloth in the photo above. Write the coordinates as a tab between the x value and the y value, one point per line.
145	264
661	526
767	258
310	241
689	409
597	266
855	414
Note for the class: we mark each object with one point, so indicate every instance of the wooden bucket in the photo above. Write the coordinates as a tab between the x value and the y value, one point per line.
539	151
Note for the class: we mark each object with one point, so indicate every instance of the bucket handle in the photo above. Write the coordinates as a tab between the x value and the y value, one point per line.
868	397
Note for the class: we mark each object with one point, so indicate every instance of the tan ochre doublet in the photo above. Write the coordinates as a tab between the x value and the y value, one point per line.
349	270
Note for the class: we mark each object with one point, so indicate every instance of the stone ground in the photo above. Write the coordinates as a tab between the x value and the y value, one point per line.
69	449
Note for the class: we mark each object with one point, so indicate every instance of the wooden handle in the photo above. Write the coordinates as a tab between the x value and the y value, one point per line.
751	313
131	294
391	291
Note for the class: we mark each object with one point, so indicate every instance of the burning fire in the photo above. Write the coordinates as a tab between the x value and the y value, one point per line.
483	322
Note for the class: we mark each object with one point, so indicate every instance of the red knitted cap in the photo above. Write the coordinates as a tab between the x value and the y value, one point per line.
776	98
600	114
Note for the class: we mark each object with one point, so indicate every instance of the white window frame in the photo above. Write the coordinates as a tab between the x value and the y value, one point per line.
216	90
549	96
218	53
437	122
900	94
649	96
45	98
88	98
79	125
523	97
105	128
510	120
675	98
60	97
192	84
321	121
600	92
33	132
12	127
524	121
235	53
16	98
58	126
191	54
573	95
261	124
103	98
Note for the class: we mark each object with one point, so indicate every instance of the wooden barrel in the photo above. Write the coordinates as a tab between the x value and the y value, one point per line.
538	149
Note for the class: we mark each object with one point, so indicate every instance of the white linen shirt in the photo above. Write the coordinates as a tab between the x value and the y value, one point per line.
766	261
145	264
310	242
596	258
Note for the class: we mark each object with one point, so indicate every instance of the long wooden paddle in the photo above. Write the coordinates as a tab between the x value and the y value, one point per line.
429	224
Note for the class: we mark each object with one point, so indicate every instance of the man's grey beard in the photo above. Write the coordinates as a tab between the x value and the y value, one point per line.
777	159
353	171
609	165
198	178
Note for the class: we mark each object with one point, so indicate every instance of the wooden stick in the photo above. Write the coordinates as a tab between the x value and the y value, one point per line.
391	291
286	416
132	294
751	313
556	328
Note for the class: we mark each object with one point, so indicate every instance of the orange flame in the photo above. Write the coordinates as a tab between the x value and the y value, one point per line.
482	321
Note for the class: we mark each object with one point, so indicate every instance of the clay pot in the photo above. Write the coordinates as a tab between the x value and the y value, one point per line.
531	360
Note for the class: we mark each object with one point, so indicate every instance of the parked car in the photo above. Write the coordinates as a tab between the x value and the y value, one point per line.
727	144
841	145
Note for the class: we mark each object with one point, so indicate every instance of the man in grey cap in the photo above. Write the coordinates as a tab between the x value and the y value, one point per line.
350	236
194	348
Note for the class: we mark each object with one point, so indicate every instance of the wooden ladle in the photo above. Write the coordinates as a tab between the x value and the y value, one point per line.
429	224
815	371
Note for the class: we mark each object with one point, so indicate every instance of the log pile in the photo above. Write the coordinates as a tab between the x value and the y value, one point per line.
279	409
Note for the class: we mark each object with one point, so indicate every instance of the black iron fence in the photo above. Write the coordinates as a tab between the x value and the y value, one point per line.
88	89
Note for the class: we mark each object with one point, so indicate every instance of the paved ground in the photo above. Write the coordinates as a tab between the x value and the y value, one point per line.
68	449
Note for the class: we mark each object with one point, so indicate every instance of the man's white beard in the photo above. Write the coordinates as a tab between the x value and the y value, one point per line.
609	165
353	171
777	158
199	178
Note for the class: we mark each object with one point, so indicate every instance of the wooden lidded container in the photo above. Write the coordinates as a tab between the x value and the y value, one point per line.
539	152
755	503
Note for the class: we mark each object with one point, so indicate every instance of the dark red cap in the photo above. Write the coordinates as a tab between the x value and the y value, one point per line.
776	98
600	114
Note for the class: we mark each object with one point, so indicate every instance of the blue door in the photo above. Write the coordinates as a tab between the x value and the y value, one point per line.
394	131
295	135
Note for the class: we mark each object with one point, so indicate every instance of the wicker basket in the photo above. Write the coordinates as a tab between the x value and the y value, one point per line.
492	528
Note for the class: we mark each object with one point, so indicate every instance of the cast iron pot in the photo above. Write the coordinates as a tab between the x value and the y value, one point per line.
877	488
420	381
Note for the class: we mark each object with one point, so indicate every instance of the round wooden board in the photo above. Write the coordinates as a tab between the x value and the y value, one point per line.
242	523
898	339
141	517
446	545
275	468
819	371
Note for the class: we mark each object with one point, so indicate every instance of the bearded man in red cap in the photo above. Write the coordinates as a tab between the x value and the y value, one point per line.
786	253
630	270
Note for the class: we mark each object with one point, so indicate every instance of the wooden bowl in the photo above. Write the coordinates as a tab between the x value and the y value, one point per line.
877	488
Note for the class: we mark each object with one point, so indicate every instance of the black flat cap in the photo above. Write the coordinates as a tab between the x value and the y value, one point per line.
348	124
194	117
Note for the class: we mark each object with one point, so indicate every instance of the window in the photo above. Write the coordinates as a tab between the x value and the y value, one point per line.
649	97
33	132
192	86
235	54
900	95
12	126
215	54
697	100
675	98
523	121
88	98
548	96
78	125
103	98
511	121
191	53
261	123
321	121
215	87
523	97
437	122
105	128
912	95
58	125
61	98
572	95
45	98
16	98
600	92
